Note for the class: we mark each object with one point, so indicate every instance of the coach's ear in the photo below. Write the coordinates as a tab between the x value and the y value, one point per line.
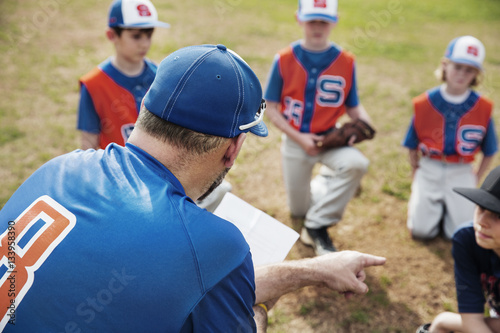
233	150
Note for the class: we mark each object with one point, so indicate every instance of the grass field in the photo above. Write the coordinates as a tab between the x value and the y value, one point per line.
46	45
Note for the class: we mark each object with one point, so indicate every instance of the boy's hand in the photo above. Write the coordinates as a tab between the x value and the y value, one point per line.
308	142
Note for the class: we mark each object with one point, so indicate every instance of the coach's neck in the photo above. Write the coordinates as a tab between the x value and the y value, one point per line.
194	172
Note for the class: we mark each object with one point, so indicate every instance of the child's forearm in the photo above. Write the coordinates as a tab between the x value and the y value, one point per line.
475	323
493	324
414	158
358	111
308	141
483	166
274	115
89	140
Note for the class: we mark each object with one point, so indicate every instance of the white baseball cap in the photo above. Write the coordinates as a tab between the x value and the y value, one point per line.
466	50
134	14
324	10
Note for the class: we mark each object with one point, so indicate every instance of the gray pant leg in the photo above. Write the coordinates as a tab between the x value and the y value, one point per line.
332	190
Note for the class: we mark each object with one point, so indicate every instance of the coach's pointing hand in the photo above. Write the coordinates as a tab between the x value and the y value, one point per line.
339	271
344	271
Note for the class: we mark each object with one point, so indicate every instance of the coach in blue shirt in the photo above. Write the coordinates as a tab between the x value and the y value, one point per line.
112	241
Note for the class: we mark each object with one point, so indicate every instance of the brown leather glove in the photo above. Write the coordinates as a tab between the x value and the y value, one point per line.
340	136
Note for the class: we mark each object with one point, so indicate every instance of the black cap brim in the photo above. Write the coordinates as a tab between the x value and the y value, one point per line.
481	198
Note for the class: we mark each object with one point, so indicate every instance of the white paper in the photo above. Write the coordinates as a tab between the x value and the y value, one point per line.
269	240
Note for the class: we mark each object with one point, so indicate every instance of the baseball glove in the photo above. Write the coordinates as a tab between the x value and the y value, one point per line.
340	136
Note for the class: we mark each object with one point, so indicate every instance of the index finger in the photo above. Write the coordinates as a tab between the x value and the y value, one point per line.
371	260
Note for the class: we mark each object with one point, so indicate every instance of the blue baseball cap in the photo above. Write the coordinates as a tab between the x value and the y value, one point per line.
323	10
466	50
208	89
139	14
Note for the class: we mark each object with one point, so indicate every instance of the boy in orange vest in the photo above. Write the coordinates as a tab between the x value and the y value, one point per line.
312	83
111	94
451	124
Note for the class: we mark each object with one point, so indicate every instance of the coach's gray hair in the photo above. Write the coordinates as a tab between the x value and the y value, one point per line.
194	142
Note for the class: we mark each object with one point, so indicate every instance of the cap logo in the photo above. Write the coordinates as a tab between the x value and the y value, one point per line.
319	3
143	10
473	50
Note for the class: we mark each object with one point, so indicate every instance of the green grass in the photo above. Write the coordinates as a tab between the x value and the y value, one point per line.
307	308
277	318
8	134
385	281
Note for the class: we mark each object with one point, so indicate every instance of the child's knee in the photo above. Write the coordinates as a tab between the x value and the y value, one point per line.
358	166
362	165
353	165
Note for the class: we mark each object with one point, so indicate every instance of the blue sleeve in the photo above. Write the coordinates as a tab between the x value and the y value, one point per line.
227	307
411	139
88	119
274	83
490	142
467	273
352	99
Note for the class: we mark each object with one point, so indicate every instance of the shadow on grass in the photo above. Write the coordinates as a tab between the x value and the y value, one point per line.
323	310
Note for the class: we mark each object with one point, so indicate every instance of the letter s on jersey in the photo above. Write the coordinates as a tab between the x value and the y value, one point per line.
469	138
330	91
46	223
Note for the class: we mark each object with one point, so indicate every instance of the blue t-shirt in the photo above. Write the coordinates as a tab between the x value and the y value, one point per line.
477	273
108	241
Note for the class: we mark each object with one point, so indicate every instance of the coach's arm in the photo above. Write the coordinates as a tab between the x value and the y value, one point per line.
340	271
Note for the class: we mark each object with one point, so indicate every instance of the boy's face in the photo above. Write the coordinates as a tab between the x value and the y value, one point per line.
487	229
316	33
459	76
133	44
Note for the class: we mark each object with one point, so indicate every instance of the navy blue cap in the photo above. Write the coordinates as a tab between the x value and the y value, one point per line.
208	89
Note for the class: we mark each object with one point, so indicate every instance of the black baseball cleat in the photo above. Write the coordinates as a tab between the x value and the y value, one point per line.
318	239
424	328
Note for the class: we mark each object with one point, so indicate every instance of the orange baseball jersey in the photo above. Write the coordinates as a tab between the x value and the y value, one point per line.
313	87
441	128
110	101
